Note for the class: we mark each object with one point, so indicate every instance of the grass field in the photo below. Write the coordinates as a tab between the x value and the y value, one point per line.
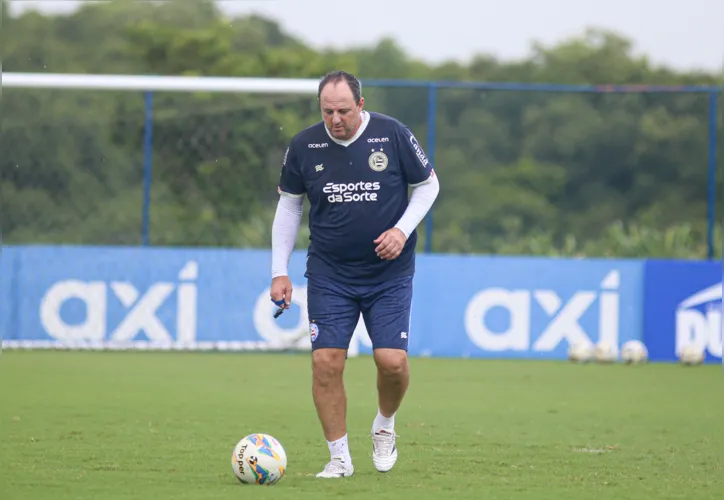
85	425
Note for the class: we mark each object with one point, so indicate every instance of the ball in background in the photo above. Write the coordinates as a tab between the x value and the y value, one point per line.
634	352
605	352
691	354
580	352
259	459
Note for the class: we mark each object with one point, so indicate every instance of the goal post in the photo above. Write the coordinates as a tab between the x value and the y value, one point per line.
150	83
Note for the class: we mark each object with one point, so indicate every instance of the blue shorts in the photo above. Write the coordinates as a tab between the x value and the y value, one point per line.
334	310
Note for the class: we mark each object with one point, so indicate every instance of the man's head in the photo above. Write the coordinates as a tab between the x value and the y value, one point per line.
341	103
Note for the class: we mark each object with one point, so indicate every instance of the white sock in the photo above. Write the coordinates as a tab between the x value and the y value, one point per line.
382	422
340	447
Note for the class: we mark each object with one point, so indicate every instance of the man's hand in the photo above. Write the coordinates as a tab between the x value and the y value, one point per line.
281	289
390	244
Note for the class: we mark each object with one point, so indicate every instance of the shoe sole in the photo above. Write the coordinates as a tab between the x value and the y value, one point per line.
335	477
386	468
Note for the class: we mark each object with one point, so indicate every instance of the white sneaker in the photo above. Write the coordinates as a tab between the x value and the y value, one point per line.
384	450
337	467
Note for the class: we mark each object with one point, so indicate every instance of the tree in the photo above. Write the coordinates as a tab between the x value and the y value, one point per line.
521	172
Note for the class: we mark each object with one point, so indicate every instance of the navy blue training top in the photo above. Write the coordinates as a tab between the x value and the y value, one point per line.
356	192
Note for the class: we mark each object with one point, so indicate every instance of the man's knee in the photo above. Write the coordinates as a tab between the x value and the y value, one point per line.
327	364
391	362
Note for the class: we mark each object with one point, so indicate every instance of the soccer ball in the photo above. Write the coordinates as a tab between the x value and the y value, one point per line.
580	352
605	352
259	459
691	354
634	352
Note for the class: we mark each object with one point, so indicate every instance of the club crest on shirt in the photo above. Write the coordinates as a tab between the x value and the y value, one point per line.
378	161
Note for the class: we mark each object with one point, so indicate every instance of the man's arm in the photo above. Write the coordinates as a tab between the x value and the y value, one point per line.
288	216
391	242
422	198
285	229
419	174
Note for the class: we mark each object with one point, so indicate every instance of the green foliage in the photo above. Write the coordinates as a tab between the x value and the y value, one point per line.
521	172
620	241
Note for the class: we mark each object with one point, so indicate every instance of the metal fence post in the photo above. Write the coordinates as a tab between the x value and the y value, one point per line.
431	119
712	173
147	168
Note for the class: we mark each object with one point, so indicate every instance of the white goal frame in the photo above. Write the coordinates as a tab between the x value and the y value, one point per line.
148	83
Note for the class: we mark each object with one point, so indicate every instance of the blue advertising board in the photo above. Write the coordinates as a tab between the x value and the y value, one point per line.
522	307
7	301
682	304
463	306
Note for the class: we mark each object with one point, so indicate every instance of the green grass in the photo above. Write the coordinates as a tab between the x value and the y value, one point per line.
85	425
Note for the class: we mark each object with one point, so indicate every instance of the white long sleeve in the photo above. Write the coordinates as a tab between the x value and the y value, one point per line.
421	200
285	228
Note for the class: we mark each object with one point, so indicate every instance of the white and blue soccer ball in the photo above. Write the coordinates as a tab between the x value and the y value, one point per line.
634	352
259	459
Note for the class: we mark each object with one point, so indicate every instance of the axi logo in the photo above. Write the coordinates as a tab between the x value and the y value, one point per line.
563	323
698	321
141	310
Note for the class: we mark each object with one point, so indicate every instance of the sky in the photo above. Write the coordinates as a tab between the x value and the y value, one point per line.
684	35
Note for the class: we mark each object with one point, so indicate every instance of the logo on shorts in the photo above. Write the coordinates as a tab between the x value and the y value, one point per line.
378	161
313	331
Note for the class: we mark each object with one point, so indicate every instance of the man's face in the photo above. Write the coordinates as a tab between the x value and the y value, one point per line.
340	113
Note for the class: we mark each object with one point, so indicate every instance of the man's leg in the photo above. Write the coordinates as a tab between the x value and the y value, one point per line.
393	379
333	315
330	401
386	312
328	391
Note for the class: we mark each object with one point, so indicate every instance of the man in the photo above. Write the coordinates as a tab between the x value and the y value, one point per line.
355	168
